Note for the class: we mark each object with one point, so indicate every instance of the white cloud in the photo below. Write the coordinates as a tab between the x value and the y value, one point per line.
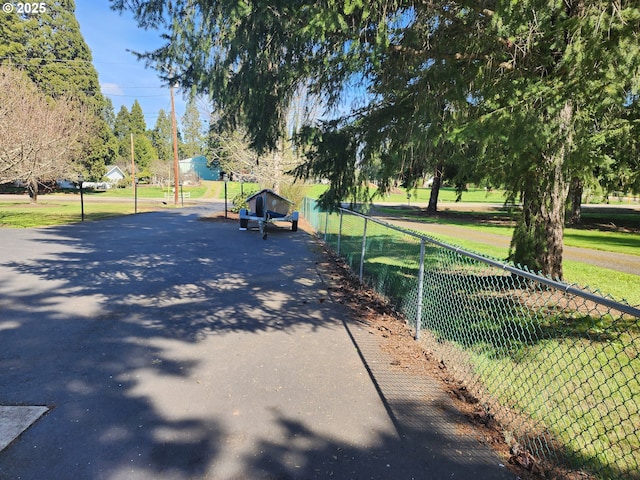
111	89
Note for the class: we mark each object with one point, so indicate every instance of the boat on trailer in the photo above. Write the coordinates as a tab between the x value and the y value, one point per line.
265	207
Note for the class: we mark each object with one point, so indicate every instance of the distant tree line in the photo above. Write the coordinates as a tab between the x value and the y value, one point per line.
54	121
153	148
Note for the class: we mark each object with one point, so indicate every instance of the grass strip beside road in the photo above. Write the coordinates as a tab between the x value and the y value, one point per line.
149	191
45	213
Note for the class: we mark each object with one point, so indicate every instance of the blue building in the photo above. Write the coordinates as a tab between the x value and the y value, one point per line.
198	166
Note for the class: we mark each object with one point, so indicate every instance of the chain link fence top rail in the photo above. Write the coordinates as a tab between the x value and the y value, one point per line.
555	365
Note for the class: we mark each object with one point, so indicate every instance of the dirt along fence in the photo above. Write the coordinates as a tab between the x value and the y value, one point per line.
555	365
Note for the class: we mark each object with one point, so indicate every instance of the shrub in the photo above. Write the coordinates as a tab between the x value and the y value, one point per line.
294	192
240	201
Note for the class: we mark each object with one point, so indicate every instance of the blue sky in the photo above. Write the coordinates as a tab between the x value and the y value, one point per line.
122	77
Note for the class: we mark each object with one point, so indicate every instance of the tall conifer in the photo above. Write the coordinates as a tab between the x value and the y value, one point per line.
137	123
161	137
192	130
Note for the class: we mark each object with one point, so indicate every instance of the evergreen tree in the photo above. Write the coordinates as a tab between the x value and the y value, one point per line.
144	154
193	137
59	60
122	124
137	124
126	124
101	150
161	136
13	31
564	68
628	138
108	113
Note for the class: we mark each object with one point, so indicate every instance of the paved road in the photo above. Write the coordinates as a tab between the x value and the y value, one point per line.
615	261
167	347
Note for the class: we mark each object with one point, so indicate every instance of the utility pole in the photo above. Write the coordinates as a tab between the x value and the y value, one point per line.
133	165
174	126
133	177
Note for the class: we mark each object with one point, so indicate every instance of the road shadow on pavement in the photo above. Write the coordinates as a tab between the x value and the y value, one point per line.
150	338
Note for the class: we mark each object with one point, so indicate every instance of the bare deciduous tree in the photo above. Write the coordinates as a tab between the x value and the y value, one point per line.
39	138
270	169
162	171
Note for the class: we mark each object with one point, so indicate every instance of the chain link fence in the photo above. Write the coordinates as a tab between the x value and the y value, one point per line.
557	366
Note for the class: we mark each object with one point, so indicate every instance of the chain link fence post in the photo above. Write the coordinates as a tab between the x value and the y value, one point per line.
339	232
326	224
420	289
364	248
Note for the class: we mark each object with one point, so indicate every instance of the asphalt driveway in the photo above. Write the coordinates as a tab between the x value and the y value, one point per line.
167	347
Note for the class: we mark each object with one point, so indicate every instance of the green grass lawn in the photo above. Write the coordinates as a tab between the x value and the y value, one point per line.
62	211
620	285
236	188
64	207
502	223
584	391
446	194
148	191
421	195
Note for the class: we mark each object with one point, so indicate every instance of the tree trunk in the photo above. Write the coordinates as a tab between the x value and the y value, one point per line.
432	207
32	188
527	243
575	201
538	238
553	214
537	241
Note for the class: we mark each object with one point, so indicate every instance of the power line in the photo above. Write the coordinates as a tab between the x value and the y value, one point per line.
131	87
134	96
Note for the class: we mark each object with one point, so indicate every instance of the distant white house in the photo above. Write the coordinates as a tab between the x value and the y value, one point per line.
114	174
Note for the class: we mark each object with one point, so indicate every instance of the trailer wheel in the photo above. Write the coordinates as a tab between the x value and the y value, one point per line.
294	226
244	223
259	206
